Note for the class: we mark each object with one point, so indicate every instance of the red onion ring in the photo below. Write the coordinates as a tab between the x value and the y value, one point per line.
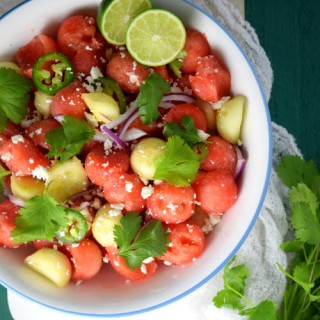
115	138
123	117
17	201
127	123
133	134
182	97
241	163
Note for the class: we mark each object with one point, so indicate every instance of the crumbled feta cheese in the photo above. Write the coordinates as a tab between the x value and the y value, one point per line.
107	146
129	186
147	191
6	156
40	173
17	138
217	105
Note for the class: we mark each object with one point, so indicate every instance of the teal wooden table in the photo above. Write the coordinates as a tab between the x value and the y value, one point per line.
289	32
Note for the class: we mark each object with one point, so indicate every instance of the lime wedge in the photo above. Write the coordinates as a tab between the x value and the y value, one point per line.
155	37
114	17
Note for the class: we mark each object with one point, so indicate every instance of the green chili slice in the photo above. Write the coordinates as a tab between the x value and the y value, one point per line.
52	72
111	88
76	228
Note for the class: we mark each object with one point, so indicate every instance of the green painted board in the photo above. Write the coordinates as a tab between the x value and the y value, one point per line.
289	31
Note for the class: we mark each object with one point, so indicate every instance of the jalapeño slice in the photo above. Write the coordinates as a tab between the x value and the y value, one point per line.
112	88
76	229
52	72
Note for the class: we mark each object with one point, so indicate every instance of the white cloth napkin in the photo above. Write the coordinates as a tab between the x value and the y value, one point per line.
260	252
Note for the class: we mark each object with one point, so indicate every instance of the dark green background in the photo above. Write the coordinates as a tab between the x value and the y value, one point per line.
289	31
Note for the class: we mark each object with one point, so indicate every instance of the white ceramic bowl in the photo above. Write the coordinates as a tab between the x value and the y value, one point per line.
107	294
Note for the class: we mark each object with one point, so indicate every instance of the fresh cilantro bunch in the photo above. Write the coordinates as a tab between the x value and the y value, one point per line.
301	299
137	243
302	296
14	96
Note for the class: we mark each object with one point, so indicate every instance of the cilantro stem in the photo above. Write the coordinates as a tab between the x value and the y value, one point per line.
316	253
244	298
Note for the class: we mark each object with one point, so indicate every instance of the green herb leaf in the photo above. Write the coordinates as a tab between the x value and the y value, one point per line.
176	64
293	170
228	299
234	284
305	223
151	93
14	96
68	140
40	219
187	130
137	244
179	165
265	310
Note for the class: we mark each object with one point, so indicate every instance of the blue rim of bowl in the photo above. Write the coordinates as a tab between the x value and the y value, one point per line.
257	212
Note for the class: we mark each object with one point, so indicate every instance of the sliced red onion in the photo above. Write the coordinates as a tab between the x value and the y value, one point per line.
127	123
166	105
241	163
17	201
123	117
182	97
133	134
59	117
114	137
100	136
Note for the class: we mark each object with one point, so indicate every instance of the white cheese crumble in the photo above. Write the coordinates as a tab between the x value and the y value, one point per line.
147	191
217	105
40	173
17	138
129	186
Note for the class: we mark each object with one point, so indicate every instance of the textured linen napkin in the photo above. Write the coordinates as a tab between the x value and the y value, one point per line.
260	252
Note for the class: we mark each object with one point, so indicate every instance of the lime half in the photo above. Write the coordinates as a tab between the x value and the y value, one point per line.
114	17
155	37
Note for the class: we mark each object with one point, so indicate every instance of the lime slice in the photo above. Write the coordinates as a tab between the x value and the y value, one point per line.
155	37
114	17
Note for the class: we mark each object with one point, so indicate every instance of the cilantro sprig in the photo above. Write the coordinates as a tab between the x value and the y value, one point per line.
177	63
179	164
233	295
186	130
138	243
150	95
40	219
14	96
67	141
301	300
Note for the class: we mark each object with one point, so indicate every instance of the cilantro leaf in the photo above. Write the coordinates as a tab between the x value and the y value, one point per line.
150	95
68	140
179	165
228	299
3	174
187	130
176	64
265	310
41	217
234	279
302	193
14	96
305	223
137	244
293	170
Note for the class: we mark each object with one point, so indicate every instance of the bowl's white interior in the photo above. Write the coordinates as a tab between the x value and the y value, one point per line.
108	294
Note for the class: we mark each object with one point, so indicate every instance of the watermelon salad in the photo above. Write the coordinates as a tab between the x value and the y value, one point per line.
104	160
